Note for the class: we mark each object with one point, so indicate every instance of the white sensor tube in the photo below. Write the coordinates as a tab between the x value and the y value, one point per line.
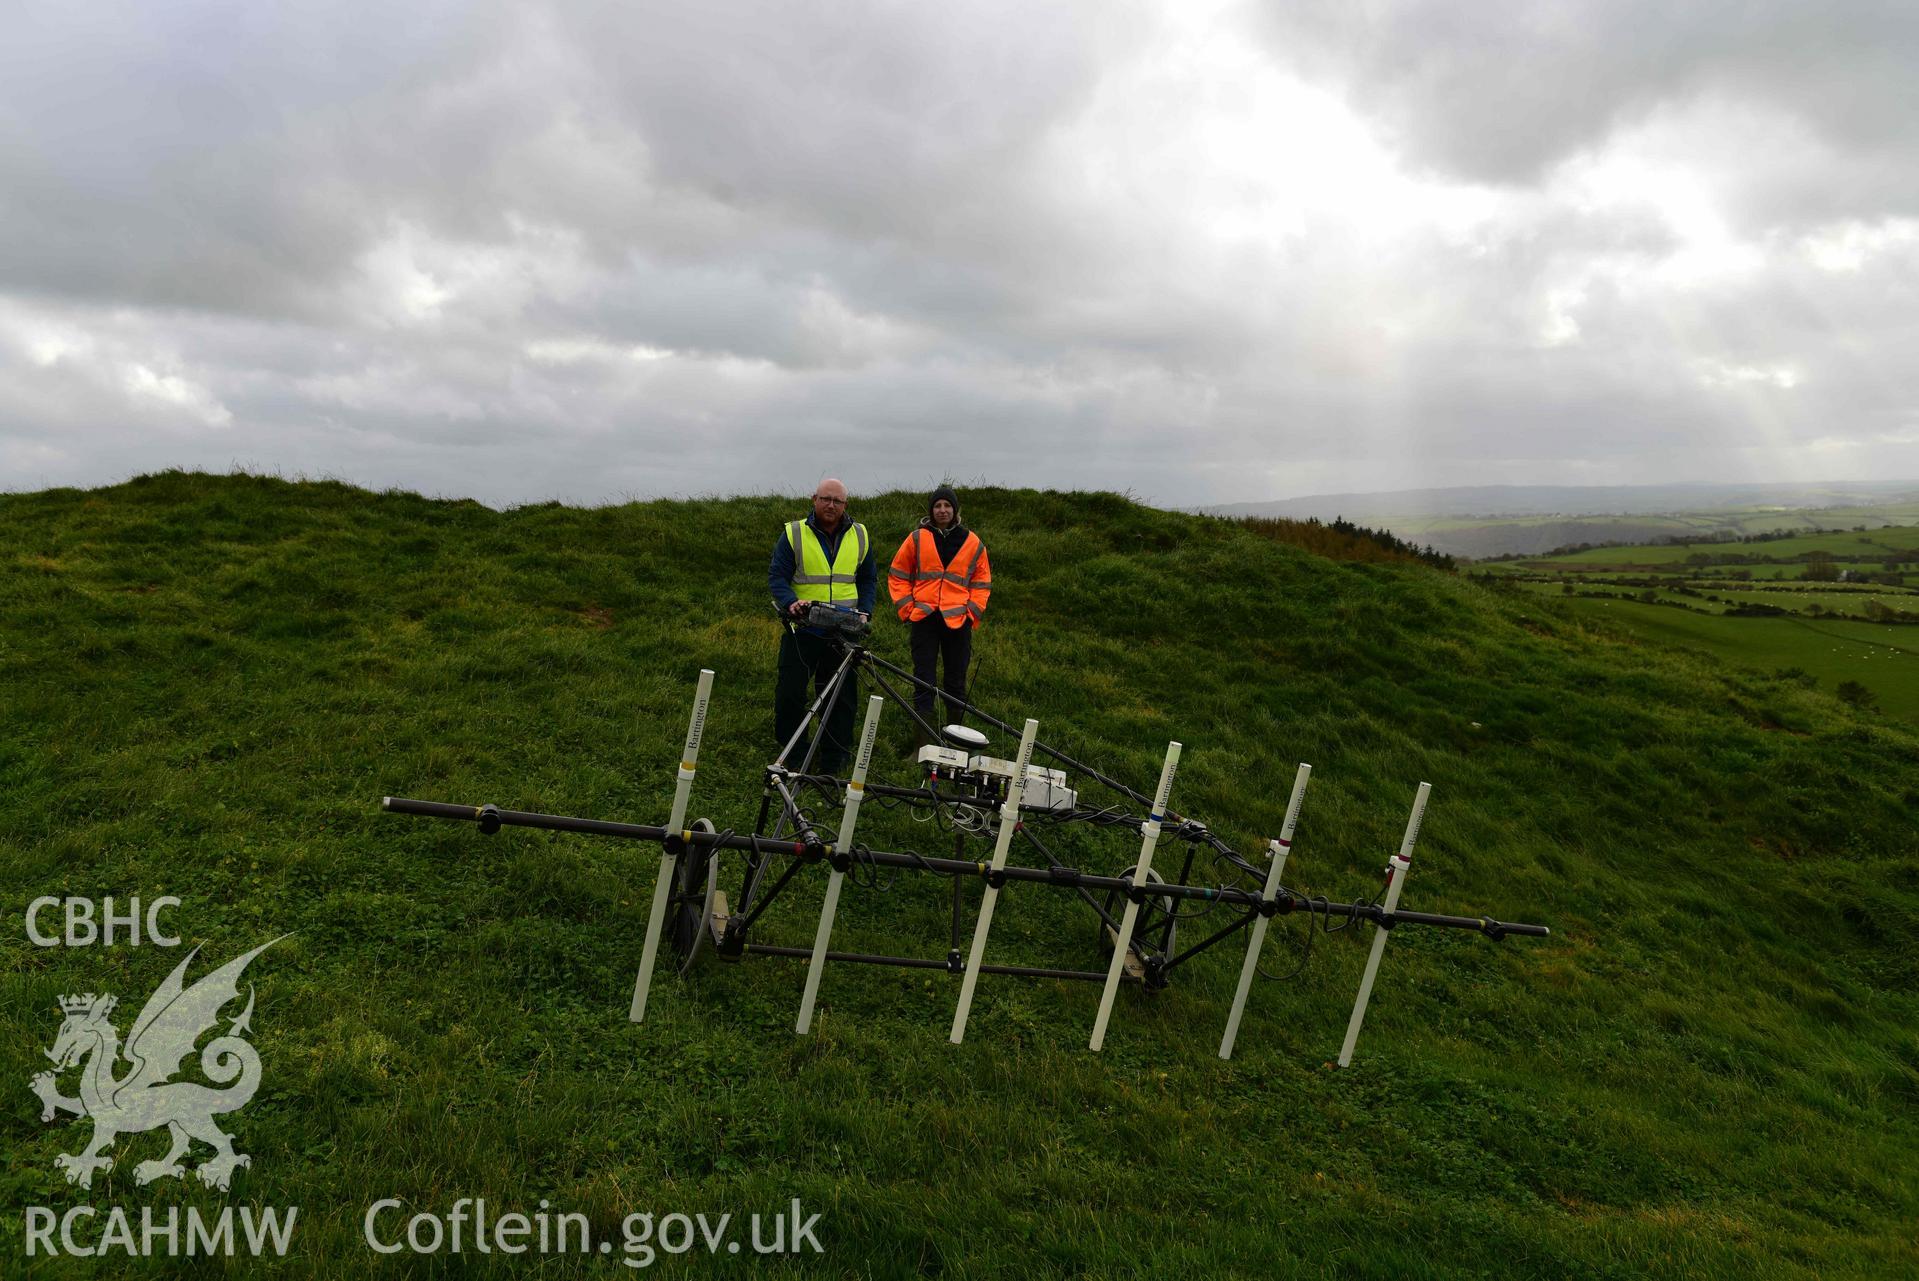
1008	821
1149	837
1280	847
676	822
855	792
1399	866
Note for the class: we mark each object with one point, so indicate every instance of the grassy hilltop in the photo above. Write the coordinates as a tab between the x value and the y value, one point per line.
1711	1068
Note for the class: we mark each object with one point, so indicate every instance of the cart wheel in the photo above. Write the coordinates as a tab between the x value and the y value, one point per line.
1153	928
695	877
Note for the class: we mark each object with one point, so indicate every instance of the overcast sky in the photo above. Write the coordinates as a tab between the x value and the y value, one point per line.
1202	252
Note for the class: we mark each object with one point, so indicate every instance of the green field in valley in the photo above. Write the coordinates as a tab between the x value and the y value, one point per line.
1861	546
1481	534
1717	598
1832	602
1710	1069
1883	659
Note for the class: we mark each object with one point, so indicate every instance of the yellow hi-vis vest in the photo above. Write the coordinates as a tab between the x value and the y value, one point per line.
816	579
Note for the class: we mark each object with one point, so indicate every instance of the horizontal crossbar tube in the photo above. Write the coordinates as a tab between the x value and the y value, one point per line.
1067	877
521	818
1484	923
922	963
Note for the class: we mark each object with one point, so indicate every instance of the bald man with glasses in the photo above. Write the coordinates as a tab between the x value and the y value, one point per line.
824	558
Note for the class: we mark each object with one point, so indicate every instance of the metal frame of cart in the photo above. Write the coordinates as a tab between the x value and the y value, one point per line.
1138	912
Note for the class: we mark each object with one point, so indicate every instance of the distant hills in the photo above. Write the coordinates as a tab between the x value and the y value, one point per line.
1496	520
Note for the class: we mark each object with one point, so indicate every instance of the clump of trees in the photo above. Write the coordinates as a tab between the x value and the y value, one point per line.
1343	540
1774	535
1858	695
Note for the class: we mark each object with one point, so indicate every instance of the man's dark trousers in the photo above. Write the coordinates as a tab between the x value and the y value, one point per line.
811	661
935	642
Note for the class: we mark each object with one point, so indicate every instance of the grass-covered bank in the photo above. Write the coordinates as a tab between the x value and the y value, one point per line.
208	683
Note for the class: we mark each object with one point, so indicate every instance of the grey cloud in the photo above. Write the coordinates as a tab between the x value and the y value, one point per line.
170	154
251	170
1502	92
599	248
873	122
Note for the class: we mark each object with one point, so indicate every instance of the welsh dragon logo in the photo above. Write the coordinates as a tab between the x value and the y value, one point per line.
146	1097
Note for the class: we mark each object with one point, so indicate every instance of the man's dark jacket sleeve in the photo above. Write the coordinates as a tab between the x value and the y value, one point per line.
866	579
779	575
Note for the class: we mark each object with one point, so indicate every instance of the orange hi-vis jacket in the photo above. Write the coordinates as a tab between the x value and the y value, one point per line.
922	587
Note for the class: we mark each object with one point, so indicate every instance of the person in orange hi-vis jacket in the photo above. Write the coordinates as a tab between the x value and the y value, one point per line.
941	579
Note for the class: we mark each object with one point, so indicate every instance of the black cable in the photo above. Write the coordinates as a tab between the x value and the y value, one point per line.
1326	926
1240	884
862	856
1305	955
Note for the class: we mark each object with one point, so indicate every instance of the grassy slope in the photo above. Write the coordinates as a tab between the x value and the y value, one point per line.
1710	1069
